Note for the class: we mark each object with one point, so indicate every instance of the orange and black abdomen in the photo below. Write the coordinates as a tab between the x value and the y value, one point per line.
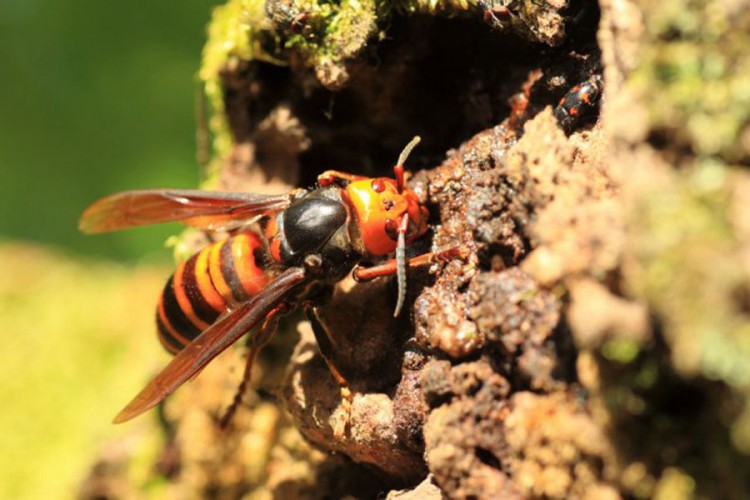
206	285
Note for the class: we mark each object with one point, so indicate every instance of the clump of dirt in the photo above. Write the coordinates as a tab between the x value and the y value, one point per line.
521	318
557	450
377	425
515	199
469	399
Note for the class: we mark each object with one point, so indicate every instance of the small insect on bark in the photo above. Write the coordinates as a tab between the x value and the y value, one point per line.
283	250
579	104
285	15
497	13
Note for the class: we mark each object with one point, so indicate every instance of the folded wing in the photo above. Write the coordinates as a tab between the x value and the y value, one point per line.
204	209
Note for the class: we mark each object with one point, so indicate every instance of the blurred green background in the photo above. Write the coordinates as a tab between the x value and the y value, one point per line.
96	97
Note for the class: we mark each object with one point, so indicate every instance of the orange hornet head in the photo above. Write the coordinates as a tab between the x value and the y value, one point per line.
378	207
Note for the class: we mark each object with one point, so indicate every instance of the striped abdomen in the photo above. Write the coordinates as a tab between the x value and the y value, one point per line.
206	285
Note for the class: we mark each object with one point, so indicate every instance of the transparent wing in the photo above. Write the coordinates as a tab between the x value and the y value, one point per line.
204	209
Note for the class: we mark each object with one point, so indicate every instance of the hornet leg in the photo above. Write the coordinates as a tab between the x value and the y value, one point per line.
257	342
390	267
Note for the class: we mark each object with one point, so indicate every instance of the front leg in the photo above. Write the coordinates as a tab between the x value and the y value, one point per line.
390	267
257	341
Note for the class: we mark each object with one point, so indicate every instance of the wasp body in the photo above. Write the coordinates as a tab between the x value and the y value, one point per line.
283	250
218	277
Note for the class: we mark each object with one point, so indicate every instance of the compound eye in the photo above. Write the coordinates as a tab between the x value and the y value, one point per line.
377	185
391	229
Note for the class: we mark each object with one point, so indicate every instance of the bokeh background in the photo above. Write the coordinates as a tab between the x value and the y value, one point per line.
96	97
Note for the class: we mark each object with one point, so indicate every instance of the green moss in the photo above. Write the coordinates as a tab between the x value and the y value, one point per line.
695	74
434	6
349	29
621	350
690	270
687	239
238	31
684	240
333	33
